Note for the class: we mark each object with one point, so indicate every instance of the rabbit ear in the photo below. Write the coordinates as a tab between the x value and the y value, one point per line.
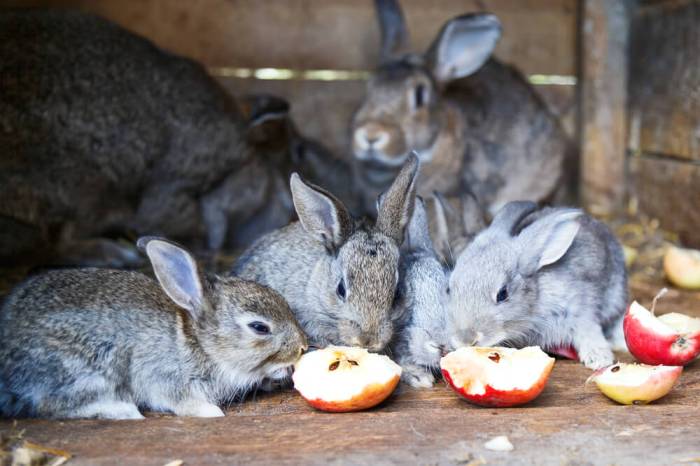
267	117
321	214
463	45
396	205
546	241
418	237
510	215
443	212
473	218
392	25
176	271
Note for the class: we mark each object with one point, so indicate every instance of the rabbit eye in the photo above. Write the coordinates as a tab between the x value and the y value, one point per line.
259	328
419	96
502	295
340	291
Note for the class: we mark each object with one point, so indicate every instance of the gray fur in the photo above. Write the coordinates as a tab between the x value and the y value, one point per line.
103	133
104	343
422	335
479	125
565	276
307	260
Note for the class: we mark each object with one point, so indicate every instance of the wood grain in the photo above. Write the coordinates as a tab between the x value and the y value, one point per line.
539	35
669	190
604	25
664	85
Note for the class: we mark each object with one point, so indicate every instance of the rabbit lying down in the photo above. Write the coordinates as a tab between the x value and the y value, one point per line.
103	343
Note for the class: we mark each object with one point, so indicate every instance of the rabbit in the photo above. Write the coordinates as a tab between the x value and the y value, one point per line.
476	123
338	274
552	277
421	337
99	343
160	150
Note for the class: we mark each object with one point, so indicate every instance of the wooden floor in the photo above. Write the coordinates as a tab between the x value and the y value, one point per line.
569	424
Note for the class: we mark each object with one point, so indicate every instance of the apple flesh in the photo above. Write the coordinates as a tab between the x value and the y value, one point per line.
682	267
636	384
497	377
671	339
342	379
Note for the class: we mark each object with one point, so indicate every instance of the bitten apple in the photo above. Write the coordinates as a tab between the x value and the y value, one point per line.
341	378
635	383
497	377
671	339
682	267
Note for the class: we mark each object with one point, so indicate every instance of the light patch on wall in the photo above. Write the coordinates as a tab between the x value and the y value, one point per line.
283	74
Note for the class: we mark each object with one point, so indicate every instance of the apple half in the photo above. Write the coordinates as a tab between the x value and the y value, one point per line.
682	267
671	339
341	379
635	384
497	377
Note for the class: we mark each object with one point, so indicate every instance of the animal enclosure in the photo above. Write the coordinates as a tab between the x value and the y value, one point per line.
622	77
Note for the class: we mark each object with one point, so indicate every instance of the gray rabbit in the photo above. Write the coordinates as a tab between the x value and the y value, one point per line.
475	122
103	134
422	336
103	343
552	277
338	274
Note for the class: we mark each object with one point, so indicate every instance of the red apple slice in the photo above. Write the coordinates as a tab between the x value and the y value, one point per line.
671	339
497	377
682	267
635	383
341	378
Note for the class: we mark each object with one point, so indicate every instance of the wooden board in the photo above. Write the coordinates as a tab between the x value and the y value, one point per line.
569	424
539	37
664	84
669	189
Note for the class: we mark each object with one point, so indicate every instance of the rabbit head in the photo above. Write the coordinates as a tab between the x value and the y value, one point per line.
493	289
402	110
246	329
423	293
357	290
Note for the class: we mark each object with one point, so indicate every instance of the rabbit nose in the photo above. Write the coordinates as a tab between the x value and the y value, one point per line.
467	337
370	137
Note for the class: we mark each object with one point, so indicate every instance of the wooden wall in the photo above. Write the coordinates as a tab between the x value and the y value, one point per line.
539	37
664	114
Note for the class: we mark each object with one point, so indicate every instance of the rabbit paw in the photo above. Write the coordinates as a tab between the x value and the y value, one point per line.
109	410
198	408
417	376
596	358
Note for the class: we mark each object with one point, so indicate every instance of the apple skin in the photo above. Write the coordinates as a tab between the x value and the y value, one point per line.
493	398
651	347
371	396
682	267
655	387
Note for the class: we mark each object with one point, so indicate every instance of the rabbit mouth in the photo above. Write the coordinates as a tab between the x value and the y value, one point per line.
280	373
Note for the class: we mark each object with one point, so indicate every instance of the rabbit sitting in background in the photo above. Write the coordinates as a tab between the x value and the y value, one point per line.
338	274
102	343
421	337
552	277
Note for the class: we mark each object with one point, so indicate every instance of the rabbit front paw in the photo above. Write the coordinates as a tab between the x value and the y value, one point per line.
417	376
596	358
197	408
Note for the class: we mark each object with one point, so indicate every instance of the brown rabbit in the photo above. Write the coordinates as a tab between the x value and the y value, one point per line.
475	123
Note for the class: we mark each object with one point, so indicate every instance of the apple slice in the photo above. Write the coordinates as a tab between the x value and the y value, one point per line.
341	378
672	339
682	267
497	377
635	384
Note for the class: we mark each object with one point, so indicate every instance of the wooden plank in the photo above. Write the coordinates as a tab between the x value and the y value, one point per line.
664	81
539	37
570	423
670	191
604	26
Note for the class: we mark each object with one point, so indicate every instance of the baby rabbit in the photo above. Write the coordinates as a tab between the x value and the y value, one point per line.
553	277
422	335
475	122
338	274
102	343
